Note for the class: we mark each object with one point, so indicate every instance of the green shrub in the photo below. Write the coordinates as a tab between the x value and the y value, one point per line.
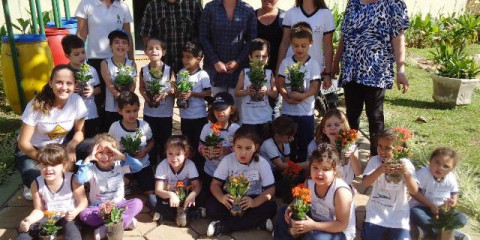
7	151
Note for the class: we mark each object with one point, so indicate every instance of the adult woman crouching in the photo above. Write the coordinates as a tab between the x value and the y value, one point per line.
48	118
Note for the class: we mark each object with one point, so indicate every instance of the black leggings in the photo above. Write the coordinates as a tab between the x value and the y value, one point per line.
69	229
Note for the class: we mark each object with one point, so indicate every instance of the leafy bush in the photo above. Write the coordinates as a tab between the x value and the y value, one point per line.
7	151
423	32
453	62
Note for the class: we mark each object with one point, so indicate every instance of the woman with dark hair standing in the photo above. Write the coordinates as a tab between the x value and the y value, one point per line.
96	19
372	41
48	118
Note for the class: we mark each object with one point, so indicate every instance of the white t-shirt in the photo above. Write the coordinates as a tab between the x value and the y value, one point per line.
323	209
256	112
117	130
388	203
54	127
107	185
101	21
165	109
259	173
312	73
187	173
60	201
270	151
435	191
321	21
110	102
90	101
197	107
227	135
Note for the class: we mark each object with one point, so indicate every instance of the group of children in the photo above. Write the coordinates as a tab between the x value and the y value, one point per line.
258	152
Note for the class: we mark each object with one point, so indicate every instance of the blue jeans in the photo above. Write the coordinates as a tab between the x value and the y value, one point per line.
281	230
303	136
375	232
27	167
421	216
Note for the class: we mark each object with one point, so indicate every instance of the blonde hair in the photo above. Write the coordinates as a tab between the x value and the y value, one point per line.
105	137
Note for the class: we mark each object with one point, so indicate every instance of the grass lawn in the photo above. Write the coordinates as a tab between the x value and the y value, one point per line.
456	127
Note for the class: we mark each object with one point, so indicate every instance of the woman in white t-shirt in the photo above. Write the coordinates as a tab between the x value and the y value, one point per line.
48	118
320	18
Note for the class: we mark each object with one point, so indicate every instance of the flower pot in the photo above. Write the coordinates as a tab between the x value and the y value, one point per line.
257	96
236	209
152	102
294	232
453	91
212	155
81	87
182	103
445	235
115	231
47	237
181	218
342	160
299	89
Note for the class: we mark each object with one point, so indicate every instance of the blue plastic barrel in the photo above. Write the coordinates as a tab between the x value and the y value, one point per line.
70	24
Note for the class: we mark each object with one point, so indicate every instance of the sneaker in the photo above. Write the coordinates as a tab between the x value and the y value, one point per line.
133	224
157	217
27	194
203	212
215	228
267	225
100	232
421	234
197	213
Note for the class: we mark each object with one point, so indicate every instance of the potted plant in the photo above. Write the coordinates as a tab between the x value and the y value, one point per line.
345	139
299	207
446	221
112	216
237	187
131	143
296	76
290	178
213	140
49	230
183	86
154	87
123	80
257	79
83	76
182	192
400	150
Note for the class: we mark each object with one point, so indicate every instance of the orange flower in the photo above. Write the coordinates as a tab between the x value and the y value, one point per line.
49	213
307	199
179	184
216	127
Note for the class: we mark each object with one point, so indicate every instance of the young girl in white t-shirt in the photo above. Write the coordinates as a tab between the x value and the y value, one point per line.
258	206
332	122
104	169
54	191
255	112
388	213
177	167
157	111
332	214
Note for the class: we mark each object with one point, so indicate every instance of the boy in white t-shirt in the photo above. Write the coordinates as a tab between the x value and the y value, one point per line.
130	125
74	49
297	104
388	213
437	185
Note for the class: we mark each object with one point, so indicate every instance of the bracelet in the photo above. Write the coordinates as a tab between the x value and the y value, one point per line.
401	72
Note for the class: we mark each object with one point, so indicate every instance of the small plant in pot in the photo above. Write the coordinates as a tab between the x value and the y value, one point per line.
345	139
124	80
299	207
182	192
290	178
183	86
446	222
296	75
213	140
49	230
154	87
237	187
112	217
257	79
131	143
83	76
400	151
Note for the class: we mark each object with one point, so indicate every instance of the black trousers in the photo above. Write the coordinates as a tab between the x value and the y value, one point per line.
110	118
100	98
355	96
252	218
92	127
161	130
69	229
192	129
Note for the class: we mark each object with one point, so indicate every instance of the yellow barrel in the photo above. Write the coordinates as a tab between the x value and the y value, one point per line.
36	64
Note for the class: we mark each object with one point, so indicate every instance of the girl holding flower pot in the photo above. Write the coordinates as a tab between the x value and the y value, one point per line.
257	204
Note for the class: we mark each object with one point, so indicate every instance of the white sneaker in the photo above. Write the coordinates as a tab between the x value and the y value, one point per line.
156	216
211	228
27	194
133	224
100	232
269	225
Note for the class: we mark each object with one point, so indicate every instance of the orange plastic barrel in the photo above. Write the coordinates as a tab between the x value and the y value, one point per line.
35	60
54	37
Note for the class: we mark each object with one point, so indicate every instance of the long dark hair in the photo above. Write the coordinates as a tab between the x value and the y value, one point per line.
249	133
319	4
43	102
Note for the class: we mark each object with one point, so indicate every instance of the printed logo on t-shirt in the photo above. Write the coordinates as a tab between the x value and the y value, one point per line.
57	132
317	29
119	20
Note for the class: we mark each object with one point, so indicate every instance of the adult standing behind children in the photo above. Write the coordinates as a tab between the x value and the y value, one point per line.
226	29
48	118
372	40
175	22
96	19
